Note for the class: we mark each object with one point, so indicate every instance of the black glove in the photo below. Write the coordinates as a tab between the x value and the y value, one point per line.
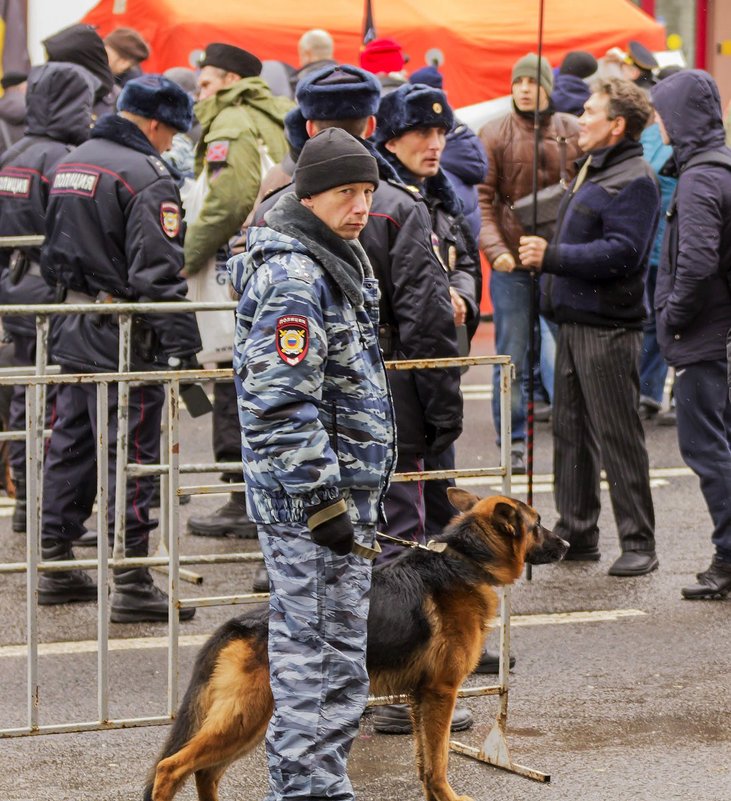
439	439
331	526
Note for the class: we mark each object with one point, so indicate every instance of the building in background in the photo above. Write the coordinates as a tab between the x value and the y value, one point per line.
704	28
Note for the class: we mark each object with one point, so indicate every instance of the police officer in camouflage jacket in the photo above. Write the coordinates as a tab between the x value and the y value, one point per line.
318	450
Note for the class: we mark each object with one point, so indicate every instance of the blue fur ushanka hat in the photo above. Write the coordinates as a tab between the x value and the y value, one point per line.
412	105
338	92
156	98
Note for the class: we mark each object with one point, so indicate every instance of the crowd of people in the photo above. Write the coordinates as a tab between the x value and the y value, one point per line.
351	208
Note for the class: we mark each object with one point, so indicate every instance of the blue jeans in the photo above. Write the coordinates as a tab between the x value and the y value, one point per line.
510	294
653	368
704	430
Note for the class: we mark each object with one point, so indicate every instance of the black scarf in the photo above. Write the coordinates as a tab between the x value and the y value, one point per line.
343	259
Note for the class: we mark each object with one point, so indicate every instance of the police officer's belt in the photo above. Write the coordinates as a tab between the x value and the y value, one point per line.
72	296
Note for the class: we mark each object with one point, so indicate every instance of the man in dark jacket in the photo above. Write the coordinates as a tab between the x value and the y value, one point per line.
463	160
114	234
59	117
693	300
570	89
593	287
81	44
413	123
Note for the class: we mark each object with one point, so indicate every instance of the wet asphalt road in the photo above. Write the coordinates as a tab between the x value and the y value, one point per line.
631	704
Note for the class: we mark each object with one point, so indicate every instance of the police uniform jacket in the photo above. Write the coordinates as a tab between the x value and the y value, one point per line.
58	118
114	233
316	416
416	318
453	242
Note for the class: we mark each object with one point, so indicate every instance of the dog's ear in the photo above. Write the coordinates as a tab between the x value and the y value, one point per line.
508	517
461	499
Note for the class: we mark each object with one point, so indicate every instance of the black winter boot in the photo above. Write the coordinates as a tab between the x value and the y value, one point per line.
712	583
21	507
230	520
135	598
65	586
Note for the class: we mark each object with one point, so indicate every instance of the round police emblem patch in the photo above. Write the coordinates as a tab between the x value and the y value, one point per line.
293	338
437	108
170	219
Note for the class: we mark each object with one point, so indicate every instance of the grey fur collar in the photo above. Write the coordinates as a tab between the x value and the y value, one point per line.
344	260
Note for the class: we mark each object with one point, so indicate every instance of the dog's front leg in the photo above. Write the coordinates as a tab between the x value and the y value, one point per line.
436	708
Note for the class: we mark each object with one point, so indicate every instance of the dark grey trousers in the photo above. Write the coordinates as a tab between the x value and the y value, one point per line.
596	422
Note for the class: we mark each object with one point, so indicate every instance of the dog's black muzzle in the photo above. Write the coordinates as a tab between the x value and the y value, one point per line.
551	548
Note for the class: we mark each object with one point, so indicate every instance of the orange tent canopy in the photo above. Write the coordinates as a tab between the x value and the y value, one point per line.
480	39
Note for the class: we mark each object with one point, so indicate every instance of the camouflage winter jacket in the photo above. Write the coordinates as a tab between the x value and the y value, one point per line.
315	410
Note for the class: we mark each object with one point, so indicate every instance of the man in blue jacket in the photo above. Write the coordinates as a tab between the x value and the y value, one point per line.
593	287
318	443
693	300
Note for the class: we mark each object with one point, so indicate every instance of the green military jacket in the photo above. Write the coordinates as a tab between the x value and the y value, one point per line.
232	121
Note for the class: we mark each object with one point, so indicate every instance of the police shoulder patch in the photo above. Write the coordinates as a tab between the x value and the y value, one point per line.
170	219
293	338
217	152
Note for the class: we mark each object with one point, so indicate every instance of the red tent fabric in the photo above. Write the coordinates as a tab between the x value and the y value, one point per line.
480	40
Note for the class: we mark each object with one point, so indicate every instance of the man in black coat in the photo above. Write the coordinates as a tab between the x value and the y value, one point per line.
593	287
81	44
693	300
416	315
59	117
413	123
114	234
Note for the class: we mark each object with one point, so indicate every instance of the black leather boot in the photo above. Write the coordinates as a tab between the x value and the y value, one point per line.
20	511
396	719
712	583
230	520
135	598
66	586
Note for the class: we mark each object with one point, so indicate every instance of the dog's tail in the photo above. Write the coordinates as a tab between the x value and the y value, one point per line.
188	719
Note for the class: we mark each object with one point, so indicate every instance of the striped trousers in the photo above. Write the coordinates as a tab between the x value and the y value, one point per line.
596	423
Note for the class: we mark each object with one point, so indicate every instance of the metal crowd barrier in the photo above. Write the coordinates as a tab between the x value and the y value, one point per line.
494	749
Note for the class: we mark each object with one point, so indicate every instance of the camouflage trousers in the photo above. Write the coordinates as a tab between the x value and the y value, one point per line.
318	613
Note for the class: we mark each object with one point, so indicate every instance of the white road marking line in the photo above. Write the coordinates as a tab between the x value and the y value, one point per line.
191	640
560	618
538	486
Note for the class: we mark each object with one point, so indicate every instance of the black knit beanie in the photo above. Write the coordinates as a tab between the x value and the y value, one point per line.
333	158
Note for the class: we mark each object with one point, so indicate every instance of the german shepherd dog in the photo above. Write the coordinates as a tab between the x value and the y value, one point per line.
429	614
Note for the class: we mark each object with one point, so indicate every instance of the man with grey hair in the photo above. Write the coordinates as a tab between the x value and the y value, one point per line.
316	49
593	290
